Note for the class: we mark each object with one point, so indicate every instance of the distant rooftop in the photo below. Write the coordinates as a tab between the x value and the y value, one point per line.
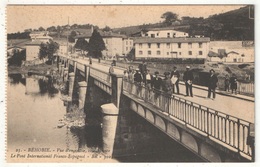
169	40
103	34
36	42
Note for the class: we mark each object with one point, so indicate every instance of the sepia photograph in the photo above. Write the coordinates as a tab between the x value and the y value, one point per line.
130	83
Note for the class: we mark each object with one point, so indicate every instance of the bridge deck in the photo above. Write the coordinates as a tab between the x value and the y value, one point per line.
238	107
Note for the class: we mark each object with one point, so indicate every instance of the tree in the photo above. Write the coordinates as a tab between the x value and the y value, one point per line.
107	28
71	36
169	18
96	44
82	44
17	57
41	29
48	50
51	29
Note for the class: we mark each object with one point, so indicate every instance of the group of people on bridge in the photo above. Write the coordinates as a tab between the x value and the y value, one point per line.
169	84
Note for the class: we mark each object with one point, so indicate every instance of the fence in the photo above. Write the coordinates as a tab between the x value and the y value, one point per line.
225	128
246	88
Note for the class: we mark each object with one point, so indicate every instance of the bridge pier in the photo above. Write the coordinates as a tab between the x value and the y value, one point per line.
71	83
62	70
82	93
59	67
110	116
65	74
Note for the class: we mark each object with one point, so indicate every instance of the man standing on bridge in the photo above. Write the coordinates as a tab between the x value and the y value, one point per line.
175	75
212	84
188	78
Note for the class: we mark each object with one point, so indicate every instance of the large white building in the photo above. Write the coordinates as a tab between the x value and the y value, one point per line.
146	47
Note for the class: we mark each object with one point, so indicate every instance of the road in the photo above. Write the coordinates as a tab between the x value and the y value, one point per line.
230	105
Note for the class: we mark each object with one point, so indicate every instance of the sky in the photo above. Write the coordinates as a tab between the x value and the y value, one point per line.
23	17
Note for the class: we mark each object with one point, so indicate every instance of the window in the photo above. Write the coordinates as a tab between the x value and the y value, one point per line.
140	52
158	52
200	52
157	34
190	52
126	42
179	45
158	45
149	45
126	48
149	52
140	46
190	45
168	35
167	53
130	43
179	53
153	35
168	45
200	45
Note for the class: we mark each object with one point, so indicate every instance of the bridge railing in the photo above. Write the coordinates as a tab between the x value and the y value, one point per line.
101	75
218	126
246	88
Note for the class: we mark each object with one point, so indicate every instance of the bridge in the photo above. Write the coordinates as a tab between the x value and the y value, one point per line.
218	131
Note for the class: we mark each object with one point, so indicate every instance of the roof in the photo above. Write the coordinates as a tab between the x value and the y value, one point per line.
15	47
103	34
39	32
233	52
36	42
169	40
213	54
162	28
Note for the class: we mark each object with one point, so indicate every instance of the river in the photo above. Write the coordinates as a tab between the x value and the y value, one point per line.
34	108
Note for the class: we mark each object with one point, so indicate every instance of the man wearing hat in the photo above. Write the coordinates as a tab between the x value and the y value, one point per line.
188	79
156	85
213	80
138	79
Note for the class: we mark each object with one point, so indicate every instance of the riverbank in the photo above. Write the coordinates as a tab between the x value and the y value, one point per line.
42	69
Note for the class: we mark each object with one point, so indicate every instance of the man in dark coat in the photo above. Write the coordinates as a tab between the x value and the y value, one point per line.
156	85
142	67
212	84
188	79
175	75
138	77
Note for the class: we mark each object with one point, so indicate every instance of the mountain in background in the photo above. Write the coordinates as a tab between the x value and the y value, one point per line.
233	25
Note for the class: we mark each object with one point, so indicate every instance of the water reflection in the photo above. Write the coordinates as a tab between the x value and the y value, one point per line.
35	84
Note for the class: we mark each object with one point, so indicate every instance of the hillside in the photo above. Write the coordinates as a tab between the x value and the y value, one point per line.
232	25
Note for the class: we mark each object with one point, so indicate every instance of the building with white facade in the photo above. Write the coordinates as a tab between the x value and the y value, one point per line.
32	50
235	51
40	36
116	44
163	33
171	47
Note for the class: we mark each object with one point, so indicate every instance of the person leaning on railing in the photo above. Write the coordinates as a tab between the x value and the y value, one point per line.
156	86
167	84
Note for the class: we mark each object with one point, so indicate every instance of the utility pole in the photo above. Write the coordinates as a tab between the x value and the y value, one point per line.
68	36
